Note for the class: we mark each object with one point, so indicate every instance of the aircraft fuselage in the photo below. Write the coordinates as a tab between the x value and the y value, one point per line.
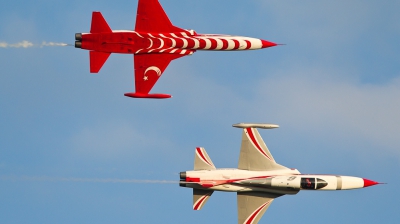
182	43
286	181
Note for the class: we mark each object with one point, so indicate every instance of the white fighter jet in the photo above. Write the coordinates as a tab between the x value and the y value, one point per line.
258	179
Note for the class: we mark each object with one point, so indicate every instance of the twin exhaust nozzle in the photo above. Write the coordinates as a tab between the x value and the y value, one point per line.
78	40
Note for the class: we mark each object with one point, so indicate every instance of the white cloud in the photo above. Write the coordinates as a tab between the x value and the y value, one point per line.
317	100
314	100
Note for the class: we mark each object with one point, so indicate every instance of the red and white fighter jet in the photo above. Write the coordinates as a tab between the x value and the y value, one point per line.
154	44
258	179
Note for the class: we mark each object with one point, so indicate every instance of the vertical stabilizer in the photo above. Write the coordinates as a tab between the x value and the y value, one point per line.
202	161
99	24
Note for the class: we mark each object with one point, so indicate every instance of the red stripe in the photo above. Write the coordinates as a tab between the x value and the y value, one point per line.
213	43
196	207
202	43
252	217
190	43
202	156
179	42
237	44
248	44
224	44
253	139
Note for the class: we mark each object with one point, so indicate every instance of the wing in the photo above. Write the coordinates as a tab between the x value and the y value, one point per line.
200	197
149	68
254	154
202	161
151	17
252	206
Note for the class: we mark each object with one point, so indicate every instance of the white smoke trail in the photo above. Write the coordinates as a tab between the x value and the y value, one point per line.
84	180
28	44
53	44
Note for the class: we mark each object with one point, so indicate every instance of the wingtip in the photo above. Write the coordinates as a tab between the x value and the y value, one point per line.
147	95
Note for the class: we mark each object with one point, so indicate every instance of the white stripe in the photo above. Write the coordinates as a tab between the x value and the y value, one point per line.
231	44
208	43
196	43
165	49
173	42
220	44
185	43
151	35
242	44
173	51
137	34
174	35
151	43
183	52
137	52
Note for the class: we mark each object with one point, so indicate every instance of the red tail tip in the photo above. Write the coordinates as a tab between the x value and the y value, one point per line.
266	44
368	183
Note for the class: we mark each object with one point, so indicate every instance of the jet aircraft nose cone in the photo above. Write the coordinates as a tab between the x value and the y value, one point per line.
266	44
368	183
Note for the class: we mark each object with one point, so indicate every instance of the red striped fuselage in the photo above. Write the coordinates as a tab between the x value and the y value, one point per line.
183	43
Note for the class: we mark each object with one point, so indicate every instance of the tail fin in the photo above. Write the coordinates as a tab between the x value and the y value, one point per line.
99	24
202	161
200	197
97	60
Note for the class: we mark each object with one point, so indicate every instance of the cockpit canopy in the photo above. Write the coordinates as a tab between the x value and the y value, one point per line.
309	183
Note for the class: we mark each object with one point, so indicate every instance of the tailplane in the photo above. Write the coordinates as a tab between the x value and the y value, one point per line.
200	197
97	60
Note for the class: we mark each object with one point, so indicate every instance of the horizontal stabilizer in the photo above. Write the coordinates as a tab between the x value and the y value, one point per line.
200	197
202	161
97	60
99	24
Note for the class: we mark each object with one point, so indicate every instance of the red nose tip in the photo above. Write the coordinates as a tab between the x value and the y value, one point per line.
368	183
266	44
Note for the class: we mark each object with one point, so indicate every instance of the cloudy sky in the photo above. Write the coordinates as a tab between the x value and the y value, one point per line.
73	149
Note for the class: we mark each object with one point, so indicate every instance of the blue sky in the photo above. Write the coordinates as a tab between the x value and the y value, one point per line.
334	89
